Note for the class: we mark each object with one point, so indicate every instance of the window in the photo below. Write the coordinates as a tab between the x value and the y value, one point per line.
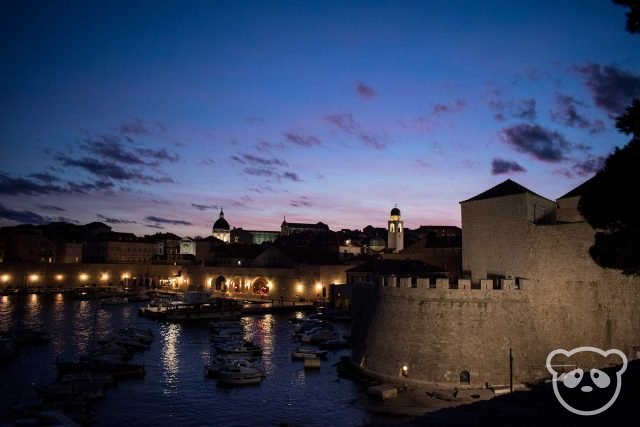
392	227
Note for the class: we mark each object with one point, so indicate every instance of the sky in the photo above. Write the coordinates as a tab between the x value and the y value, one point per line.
150	116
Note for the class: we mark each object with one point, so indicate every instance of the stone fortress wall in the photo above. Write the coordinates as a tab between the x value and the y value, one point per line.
545	293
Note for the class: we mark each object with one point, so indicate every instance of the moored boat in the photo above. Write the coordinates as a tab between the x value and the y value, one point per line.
240	373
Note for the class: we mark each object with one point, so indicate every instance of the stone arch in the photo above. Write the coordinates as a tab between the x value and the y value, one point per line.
220	284
235	284
260	285
465	377
392	227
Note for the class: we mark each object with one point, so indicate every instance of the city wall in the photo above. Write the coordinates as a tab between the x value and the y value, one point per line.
439	332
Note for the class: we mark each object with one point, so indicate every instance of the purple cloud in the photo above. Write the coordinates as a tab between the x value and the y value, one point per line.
566	113
134	127
161	220
612	89
347	124
115	220
455	107
303	141
204	207
538	142
589	166
501	166
365	91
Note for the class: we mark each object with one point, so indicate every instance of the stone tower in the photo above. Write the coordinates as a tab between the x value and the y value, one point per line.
395	229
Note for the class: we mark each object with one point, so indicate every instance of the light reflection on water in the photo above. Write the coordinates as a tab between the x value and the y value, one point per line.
170	335
175	390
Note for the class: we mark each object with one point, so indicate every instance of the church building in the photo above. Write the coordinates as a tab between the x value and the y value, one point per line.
221	229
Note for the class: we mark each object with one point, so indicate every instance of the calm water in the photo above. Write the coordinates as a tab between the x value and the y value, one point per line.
175	390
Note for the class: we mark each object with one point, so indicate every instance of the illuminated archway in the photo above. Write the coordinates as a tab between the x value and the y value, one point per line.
260	286
220	284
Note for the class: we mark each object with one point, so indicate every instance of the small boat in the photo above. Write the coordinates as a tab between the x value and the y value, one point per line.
241	372
308	353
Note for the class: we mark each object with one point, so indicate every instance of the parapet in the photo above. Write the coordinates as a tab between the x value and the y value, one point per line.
444	287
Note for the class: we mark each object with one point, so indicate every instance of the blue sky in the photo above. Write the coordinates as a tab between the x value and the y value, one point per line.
150	116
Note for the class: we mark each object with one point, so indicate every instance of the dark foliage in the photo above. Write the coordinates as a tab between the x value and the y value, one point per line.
633	14
611	202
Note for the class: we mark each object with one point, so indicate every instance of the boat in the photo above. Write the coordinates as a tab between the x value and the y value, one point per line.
223	361
241	372
239	349
214	310
308	353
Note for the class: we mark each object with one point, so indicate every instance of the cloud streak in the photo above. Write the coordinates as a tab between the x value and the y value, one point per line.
302	141
115	220
160	220
347	124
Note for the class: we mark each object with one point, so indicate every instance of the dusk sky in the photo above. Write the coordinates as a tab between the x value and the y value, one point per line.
150	116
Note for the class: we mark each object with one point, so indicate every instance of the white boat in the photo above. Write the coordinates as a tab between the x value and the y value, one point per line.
241	372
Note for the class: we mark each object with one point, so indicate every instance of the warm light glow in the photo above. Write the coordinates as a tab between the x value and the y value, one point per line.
104	276
59	277
5	278
83	277
209	281
34	277
125	276
318	287
299	288
405	370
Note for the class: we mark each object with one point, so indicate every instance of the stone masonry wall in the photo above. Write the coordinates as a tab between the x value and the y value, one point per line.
567	302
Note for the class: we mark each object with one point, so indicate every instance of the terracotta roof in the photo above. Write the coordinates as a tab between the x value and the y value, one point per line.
506	188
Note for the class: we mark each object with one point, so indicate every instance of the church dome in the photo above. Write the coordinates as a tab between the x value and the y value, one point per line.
395	211
221	223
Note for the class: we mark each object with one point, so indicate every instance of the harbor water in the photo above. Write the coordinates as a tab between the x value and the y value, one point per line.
175	390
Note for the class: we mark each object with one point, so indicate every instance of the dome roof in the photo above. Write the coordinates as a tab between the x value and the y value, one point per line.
221	224
395	211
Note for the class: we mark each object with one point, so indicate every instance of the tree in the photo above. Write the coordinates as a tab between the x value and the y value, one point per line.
633	15
611	201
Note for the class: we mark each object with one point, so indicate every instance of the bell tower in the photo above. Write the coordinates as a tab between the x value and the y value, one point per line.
395	231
